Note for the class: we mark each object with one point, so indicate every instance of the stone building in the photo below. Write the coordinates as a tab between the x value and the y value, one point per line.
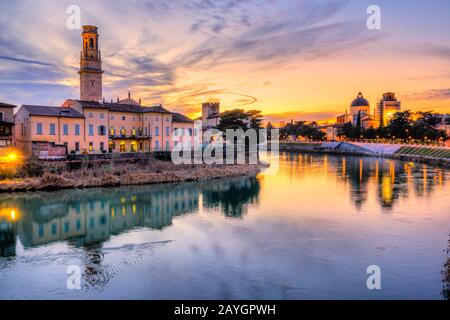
387	106
91	125
6	125
210	114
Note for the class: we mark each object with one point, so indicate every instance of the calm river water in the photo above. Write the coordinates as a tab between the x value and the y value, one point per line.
310	231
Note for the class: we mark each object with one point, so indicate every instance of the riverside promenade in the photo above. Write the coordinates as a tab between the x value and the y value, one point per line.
438	156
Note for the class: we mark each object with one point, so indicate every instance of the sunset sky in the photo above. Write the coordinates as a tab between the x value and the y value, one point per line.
290	59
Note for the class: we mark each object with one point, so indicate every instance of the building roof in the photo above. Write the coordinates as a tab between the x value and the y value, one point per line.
156	109
52	111
90	104
360	101
122	107
178	117
6	105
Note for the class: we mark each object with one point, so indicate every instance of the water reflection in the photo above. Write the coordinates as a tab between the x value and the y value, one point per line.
393	179
86	218
446	276
323	216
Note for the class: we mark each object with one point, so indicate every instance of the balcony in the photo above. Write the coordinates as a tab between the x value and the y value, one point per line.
129	136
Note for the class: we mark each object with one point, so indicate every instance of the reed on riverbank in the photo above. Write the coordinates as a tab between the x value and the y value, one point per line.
47	175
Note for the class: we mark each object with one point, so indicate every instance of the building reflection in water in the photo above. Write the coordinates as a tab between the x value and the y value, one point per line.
87	218
391	179
233	196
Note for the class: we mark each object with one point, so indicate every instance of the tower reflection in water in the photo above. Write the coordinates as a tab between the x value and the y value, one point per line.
389	179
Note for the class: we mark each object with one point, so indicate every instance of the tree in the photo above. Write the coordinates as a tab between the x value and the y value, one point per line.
301	129
255	119
400	125
233	119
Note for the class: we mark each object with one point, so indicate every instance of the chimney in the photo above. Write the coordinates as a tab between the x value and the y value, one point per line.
129	95
140	101
117	99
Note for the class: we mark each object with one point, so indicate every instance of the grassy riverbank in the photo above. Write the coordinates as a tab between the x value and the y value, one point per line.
40	175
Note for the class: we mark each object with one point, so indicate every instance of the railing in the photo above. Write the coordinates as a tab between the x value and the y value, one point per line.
129	136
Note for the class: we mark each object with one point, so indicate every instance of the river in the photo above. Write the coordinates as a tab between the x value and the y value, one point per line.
310	231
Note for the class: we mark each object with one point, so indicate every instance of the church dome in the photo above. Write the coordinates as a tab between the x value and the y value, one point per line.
360	101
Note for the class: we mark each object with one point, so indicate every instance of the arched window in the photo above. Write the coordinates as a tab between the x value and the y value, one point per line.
91	43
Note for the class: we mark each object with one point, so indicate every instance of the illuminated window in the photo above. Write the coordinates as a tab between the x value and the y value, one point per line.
133	146
91	146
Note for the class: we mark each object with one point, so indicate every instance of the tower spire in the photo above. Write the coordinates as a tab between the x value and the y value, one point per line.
90	66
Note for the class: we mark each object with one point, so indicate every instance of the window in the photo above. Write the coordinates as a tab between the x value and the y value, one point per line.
52	129
91	115
133	132
141	146
111	117
175	133
122	147
77	146
156	145
54	228
1	116
91	146
78	224
133	146
91	130
157	131
77	129
91	43
124	118
146	131
167	119
112	146
102	146
65	129
39	128
101	130
190	132
167	146
112	132
41	230
66	226
123	132
167	131
102	116
182	132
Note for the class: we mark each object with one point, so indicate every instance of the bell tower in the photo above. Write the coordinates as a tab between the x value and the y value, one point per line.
90	66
